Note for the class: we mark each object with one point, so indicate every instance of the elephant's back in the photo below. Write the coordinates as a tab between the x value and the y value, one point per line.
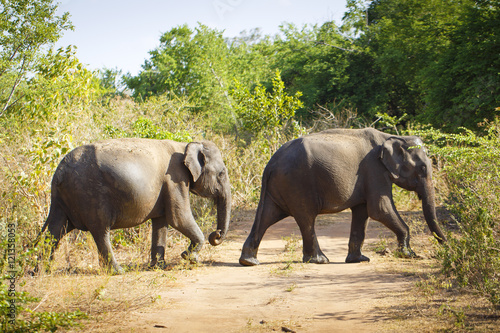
136	147
112	152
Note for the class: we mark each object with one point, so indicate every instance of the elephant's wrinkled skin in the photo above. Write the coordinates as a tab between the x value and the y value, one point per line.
122	183
331	171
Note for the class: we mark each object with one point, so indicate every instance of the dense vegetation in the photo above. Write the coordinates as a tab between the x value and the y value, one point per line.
422	66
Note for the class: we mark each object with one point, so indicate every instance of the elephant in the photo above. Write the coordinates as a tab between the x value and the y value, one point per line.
338	169
122	183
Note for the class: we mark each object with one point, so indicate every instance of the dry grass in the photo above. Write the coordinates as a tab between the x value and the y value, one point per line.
77	282
432	304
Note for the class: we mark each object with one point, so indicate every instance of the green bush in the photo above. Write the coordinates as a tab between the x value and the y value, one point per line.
471	170
267	115
144	128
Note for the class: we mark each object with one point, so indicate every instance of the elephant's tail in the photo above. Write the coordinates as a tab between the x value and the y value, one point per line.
40	233
49	220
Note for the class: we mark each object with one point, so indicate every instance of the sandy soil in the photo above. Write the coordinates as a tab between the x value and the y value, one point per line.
223	296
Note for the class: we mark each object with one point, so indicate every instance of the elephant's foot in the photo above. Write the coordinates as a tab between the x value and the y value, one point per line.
405	252
190	256
116	270
315	259
249	261
249	256
112	268
160	264
355	258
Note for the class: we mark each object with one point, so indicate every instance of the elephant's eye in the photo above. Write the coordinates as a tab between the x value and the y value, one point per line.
222	173
424	170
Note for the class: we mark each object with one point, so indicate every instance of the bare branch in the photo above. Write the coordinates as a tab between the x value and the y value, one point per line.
2	71
14	87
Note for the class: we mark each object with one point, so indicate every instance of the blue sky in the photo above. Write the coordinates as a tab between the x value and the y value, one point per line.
120	33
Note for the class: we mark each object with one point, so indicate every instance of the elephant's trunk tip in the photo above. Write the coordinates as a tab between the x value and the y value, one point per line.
216	238
441	238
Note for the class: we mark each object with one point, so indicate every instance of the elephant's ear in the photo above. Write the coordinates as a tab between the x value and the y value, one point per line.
394	156
194	159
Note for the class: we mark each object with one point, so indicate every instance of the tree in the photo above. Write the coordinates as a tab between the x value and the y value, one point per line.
251	57
187	63
111	81
265	114
313	61
463	86
399	40
26	27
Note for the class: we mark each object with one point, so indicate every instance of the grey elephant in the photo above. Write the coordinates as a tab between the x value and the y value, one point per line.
334	170
121	183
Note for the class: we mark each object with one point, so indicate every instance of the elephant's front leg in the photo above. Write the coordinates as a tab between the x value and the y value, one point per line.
357	237
185	224
385	212
158	241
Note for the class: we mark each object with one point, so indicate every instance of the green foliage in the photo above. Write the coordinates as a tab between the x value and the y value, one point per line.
355	21
22	319
33	183
389	122
396	57
433	60
267	114
464	84
60	80
25	28
187	63
472	174
111	81
405	38
313	61
144	128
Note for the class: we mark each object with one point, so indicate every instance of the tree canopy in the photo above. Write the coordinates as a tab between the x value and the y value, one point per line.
431	60
26	28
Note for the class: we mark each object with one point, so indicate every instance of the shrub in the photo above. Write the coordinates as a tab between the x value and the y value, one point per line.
17	317
471	171
267	115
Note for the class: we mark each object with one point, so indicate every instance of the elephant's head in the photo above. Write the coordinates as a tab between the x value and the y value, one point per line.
410	168
210	180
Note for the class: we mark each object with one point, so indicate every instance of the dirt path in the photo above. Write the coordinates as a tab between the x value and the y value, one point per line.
226	297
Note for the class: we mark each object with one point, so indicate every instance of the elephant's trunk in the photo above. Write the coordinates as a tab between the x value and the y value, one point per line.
223	217
429	209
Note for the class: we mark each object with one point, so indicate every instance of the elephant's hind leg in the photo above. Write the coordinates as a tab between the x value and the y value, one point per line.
311	250
268	213
106	256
